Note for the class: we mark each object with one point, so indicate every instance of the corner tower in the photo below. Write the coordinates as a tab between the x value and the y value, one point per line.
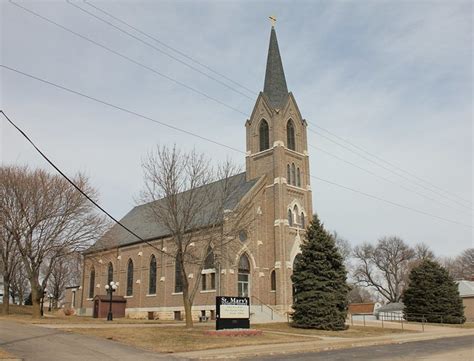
277	148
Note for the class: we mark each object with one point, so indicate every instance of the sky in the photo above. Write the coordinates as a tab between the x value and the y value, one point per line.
393	78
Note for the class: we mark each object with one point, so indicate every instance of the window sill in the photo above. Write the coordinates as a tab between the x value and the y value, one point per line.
152	295
272	291
128	296
295	187
176	293
89	299
207	291
208	271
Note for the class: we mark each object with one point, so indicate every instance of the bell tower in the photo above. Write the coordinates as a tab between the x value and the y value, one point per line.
277	149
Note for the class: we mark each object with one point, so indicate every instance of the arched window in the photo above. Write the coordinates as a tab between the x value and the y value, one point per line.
243	276
110	273
208	277
92	283
298	178
290	217
264	135
178	281
293	174
303	221
296	213
290	135
130	278
273	281
152	276
209	261
288	174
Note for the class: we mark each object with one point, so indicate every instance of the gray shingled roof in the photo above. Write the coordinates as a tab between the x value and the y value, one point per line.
466	288
391	307
140	219
275	83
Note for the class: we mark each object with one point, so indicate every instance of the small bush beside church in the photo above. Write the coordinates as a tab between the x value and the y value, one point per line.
319	278
432	295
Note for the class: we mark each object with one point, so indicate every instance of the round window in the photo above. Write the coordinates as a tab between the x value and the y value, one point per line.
243	235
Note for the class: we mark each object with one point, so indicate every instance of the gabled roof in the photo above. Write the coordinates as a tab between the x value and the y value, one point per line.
466	288
275	83
141	221
391	307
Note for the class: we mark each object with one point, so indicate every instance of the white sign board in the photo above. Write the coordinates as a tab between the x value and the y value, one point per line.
235	311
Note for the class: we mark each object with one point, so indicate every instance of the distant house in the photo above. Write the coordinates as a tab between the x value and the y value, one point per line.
367	310
466	291
391	312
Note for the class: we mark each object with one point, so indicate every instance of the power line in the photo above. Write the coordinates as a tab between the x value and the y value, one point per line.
226	105
215	142
390	202
97	205
388	169
312	124
123	56
387	162
158	49
120	108
382	177
168	46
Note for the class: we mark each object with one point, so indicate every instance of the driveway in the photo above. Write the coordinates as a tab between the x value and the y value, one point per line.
42	344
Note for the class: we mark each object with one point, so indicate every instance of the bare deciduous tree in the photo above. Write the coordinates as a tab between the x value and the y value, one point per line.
48	219
65	272
423	252
193	211
9	257
19	285
359	294
384	267
462	266
344	248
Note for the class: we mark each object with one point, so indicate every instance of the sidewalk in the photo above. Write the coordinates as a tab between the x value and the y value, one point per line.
326	343
114	325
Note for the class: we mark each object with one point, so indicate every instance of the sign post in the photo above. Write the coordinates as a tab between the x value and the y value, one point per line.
232	312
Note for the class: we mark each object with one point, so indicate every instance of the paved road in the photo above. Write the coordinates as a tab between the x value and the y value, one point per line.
452	349
41	344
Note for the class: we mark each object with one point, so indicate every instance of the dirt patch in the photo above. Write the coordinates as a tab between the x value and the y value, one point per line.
180	339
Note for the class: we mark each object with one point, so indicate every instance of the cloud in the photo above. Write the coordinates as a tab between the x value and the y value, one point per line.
395	79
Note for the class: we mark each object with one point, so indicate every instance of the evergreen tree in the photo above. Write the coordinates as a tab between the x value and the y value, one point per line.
433	294
319	279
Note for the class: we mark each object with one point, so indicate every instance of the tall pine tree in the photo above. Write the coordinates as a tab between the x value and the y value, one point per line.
432	294
319	279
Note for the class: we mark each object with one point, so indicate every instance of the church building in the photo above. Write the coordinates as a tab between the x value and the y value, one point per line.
276	185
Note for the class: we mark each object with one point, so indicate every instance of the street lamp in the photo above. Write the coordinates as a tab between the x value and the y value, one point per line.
50	297
111	288
42	303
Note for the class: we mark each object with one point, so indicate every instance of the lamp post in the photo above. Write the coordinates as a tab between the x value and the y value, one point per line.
111	288
42	303
50	297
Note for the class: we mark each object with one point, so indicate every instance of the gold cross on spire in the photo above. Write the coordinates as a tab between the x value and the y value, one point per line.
273	19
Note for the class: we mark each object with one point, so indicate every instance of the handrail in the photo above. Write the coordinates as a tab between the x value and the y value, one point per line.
264	304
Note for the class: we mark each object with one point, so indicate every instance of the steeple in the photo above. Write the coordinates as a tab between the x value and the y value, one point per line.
275	83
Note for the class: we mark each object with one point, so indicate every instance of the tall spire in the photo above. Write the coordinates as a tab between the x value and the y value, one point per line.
275	83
